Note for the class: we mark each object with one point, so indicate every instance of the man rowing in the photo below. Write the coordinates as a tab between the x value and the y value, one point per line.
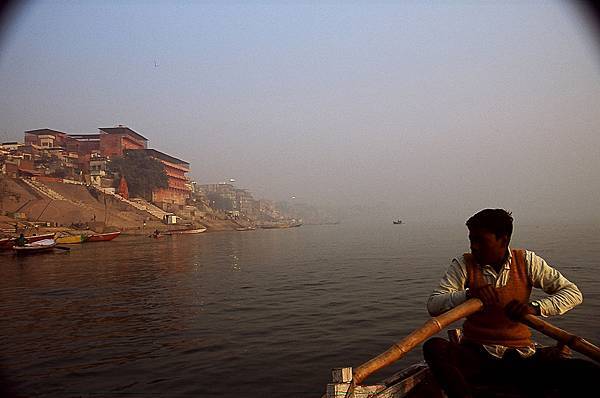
495	348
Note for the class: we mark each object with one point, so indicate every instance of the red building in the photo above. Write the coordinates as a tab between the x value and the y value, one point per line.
179	189
46	138
111	141
83	144
115	140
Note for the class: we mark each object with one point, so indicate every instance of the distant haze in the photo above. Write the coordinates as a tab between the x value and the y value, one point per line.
421	111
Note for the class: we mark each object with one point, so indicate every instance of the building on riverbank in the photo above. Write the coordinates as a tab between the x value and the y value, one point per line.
178	185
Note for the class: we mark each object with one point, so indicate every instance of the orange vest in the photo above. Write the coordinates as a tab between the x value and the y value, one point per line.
491	325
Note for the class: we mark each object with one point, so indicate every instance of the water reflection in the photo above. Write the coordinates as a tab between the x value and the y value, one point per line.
211	314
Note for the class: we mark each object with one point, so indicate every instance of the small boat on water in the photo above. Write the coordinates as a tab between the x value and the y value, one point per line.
280	225
273	226
102	237
246	229
184	231
8	243
36	247
397	221
70	239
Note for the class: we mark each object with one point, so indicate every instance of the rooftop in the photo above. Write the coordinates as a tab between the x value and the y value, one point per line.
85	137
45	132
165	157
122	130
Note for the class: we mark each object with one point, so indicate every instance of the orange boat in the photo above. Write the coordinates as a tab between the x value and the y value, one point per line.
102	237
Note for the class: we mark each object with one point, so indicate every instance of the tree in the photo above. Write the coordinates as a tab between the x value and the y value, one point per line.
142	172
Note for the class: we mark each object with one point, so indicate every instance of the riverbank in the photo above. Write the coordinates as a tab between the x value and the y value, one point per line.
60	207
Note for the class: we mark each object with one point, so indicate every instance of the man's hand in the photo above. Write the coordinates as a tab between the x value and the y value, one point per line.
516	310
487	294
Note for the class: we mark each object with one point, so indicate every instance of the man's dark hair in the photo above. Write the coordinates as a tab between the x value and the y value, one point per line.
497	221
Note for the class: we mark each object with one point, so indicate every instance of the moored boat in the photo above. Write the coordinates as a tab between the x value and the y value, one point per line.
8	243
280	224
102	237
184	231
273	226
70	239
246	229
36	247
36	238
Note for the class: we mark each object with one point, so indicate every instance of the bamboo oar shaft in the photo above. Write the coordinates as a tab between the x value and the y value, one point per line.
436	324
431	327
570	340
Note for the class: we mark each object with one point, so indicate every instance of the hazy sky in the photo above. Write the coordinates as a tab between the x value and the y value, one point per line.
435	109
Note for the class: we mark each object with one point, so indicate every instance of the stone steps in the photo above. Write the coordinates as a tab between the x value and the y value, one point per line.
43	190
144	206
150	208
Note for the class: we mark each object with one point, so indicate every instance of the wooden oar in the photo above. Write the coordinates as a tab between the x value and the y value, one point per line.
431	327
570	340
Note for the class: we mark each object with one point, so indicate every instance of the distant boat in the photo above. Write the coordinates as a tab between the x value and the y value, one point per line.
273	226
184	231
397	222
102	237
277	225
246	229
36	247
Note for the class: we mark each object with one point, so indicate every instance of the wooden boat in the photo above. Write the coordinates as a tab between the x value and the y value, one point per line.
397	221
36	238
278	225
417	380
36	247
70	239
102	237
184	231
246	229
8	243
273	226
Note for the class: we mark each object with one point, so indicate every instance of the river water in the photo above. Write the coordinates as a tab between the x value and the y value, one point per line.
254	314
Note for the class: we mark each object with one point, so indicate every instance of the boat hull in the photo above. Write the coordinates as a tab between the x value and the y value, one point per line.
102	237
184	231
70	240
415	381
36	247
8	243
246	229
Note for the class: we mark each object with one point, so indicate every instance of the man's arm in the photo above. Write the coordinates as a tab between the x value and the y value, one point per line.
563	294
451	290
